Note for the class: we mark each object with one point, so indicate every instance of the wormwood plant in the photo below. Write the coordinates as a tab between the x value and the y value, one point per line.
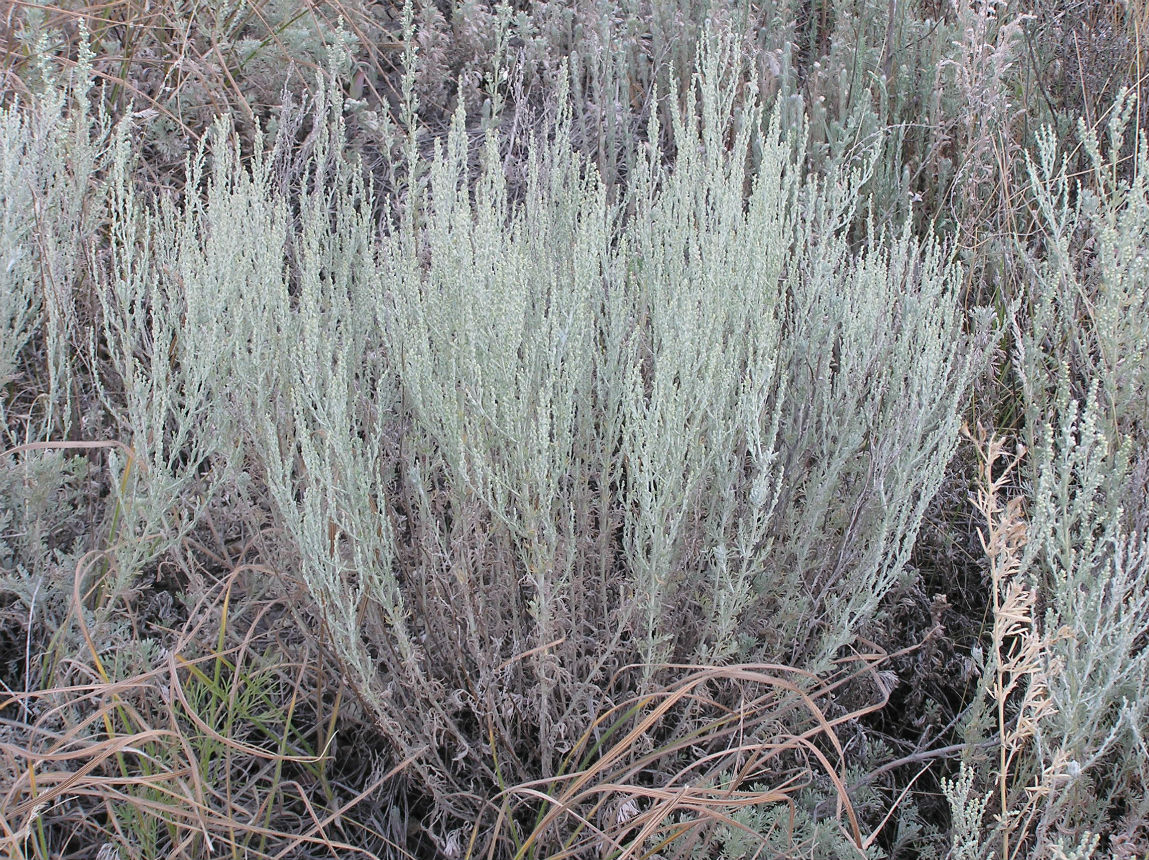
693	347
1082	362
1084	382
160	383
1094	564
564	431
493	437
51	152
20	298
1091	311
514	449
1064	684
1084	557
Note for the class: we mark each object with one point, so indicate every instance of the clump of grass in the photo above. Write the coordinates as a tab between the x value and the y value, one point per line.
722	757
190	742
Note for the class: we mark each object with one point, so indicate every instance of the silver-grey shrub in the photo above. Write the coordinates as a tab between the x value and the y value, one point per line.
1081	348
513	447
160	375
19	290
495	336
789	406
879	374
1087	295
1093	566
51	152
693	336
53	155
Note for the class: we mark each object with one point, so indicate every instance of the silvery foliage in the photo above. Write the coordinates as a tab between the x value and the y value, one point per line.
514	445
694	383
1081	359
790	405
495	335
880	370
968	811
20	288
161	371
51	151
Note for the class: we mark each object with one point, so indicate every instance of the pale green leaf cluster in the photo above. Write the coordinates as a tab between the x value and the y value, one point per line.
515	444
1081	360
968	811
1080	340
53	149
50	201
163	377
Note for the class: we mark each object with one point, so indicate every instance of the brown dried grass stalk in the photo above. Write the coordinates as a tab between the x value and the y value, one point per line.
761	750
193	749
1019	647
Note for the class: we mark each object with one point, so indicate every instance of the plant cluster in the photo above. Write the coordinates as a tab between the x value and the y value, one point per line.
564	402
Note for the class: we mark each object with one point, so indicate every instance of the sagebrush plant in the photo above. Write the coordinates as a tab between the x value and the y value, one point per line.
1095	563
92	346
158	400
1088	289
1082	659
493	436
51	200
53	151
1067	684
1083	379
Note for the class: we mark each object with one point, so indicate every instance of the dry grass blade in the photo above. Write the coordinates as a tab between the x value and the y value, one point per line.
63	782
187	757
1020	655
732	741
